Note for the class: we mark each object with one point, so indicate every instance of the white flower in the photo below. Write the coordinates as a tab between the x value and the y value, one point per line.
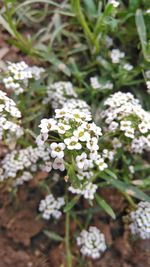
92	242
131	169
148	84
81	160
40	140
114	3
143	127
127	66
47	125
140	221
101	164
50	207
129	132
92	144
94	155
95	83
108	154
87	191
81	134
62	113
62	128
147	73
113	126
57	150
72	143
116	55
116	143
46	167
80	116
125	125
58	164
94	128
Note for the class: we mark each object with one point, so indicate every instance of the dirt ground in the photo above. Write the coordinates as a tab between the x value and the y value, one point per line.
23	244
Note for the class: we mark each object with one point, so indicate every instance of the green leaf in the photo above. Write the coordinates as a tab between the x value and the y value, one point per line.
108	10
126	188
56	62
72	176
90	6
53	236
103	204
112	174
134	4
140	24
6	26
71	204
29	2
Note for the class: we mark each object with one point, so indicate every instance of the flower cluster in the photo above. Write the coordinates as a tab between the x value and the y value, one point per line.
116	55
50	207
9	115
96	84
92	242
22	164
58	93
128	121
88	190
18	75
62	94
76	145
140	219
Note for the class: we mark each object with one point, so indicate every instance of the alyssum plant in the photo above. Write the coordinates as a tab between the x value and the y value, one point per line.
84	154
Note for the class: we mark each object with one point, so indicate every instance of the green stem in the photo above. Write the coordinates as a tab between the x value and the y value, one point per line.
129	199
68	252
90	36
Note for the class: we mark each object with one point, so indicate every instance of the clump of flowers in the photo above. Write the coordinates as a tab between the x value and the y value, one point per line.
116	55
20	165
92	242
62	94
19	74
58	93
88	190
140	221
75	147
128	121
50	207
96	84
9	115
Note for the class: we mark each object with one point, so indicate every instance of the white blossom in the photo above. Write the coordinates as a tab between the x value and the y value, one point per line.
140	221
114	3
128	66
87	191
72	143
50	207
101	164
9	115
58	164
92	242
57	150
116	55
19	74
